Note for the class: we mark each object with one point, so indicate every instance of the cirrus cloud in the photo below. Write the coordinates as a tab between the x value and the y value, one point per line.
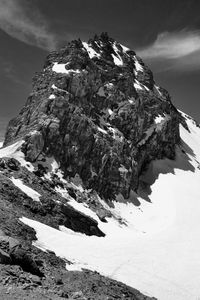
174	50
23	21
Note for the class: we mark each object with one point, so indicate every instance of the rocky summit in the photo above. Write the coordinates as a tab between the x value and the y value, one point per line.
96	109
93	123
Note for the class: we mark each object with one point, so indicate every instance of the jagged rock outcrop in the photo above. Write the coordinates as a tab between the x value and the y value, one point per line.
51	208
96	109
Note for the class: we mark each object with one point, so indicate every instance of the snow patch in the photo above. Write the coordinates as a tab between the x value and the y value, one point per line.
139	86
74	267
91	52
158	90
109	85
60	68
27	190
116	134
110	112
14	151
125	49
159	119
117	58
54	87
51	167
102	130
138	66
81	207
52	96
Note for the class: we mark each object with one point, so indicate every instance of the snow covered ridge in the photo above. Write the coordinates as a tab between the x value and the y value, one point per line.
14	151
163	234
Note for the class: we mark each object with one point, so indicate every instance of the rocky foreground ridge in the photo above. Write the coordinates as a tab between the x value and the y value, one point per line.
93	122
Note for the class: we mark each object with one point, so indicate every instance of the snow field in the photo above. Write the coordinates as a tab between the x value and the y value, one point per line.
158	250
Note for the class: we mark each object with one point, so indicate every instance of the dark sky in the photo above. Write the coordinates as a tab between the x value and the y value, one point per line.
166	34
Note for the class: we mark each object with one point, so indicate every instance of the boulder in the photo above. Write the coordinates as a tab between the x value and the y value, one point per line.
23	258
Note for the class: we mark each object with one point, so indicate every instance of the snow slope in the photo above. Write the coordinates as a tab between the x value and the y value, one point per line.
158	252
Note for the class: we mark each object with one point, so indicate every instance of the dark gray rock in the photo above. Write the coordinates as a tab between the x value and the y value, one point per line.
4	257
23	258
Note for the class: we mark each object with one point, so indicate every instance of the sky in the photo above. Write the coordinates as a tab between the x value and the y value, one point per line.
165	34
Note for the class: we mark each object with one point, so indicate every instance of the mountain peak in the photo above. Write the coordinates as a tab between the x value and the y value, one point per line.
79	164
97	110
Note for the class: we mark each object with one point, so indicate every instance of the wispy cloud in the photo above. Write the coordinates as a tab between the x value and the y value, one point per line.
176	50
23	21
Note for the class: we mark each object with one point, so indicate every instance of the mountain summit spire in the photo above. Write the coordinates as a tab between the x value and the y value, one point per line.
96	108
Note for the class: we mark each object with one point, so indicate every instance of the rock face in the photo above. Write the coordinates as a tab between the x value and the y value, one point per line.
96	109
52	208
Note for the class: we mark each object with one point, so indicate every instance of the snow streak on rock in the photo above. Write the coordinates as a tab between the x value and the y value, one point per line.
27	190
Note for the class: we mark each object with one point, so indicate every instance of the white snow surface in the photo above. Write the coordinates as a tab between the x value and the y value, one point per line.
14	151
125	49
91	52
139	86
117	58
158	90
138	66
159	119
54	87
60	68
52	96
118	61
27	190
158	250
102	130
